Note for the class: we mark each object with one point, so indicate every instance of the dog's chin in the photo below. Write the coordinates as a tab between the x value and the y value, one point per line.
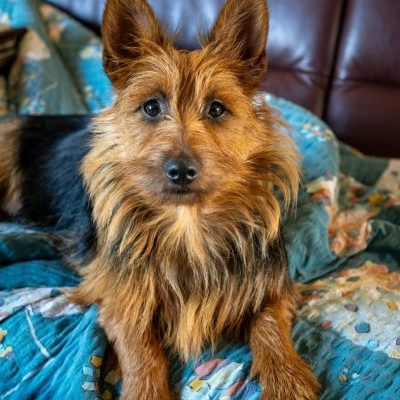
181	196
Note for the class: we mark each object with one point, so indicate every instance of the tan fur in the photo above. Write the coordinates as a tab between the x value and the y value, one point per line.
9	174
135	220
280	370
180	272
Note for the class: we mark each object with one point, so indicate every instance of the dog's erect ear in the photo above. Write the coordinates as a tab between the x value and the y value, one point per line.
241	32
129	28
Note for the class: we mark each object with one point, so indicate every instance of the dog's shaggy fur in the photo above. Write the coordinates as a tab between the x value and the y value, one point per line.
176	260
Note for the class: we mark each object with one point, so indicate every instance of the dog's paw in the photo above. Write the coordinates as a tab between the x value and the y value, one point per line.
289	382
147	396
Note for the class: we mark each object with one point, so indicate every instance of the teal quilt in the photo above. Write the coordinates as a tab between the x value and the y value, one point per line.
343	244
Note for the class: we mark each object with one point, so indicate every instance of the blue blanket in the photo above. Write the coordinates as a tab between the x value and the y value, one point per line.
343	245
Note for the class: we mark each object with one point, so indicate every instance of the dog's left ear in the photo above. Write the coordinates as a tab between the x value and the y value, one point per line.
240	32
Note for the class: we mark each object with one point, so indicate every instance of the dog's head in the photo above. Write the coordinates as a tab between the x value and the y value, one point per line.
185	132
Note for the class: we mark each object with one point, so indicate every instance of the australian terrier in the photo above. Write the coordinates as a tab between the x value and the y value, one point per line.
170	203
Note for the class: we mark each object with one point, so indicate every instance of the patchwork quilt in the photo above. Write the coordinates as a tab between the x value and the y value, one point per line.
343	245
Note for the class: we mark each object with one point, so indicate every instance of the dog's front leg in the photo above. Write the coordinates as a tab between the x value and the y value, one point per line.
282	374
143	363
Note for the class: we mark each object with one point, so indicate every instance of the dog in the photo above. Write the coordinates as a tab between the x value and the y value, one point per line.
170	201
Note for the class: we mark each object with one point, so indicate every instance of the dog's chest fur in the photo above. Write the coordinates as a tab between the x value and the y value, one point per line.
195	297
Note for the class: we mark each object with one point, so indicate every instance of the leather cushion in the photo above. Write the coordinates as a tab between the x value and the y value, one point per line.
364	105
301	48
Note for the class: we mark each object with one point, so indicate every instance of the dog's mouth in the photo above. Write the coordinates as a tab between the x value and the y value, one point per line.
185	190
182	195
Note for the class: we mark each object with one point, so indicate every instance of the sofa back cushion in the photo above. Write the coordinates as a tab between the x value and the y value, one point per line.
363	107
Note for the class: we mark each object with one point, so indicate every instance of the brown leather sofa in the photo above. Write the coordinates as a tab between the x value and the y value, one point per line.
338	58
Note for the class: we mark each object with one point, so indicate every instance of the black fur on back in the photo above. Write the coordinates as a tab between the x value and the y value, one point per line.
51	149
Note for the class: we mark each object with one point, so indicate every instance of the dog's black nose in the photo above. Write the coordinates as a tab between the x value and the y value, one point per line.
181	170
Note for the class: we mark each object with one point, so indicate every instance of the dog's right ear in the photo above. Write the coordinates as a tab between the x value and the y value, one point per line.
129	28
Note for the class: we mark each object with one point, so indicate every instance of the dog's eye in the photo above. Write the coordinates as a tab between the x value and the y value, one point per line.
216	110
152	108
